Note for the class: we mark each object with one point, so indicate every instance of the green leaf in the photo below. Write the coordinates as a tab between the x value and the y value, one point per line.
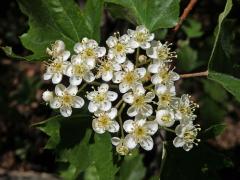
58	19
154	14
193	29
221	65
102	157
215	91
132	168
213	131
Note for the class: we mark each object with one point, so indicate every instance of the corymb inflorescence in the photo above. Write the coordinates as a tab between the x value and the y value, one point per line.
133	92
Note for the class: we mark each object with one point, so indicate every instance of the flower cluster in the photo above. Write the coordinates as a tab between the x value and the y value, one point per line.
133	92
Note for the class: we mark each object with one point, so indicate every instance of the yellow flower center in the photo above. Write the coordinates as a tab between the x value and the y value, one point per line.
100	97
164	75
165	98
67	100
79	69
139	101
166	118
104	121
163	53
129	77
88	53
107	66
185	110
57	67
120	47
189	136
122	150
139	132
141	37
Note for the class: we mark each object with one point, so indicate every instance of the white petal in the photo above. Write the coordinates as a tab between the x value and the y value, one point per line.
129	50
106	106
107	76
120	58
149	97
128	98
114	127
78	47
47	96
101	51
89	77
56	78
66	111
115	141
128	66
174	76
145	45
123	87
59	89
118	76
112	96
75	80
47	76
103	88
151	37
178	142
133	44
77	59
151	126
130	141
96	127
141	72
116	66
130	32
138	89
146	143
69	70
160	89
156	79
66	55
147	110
140	122
132	111
152	53
72	90
55	103
112	113
128	126
91	95
124	39
187	147
111	41
90	43
92	107
153	68
78	102
91	63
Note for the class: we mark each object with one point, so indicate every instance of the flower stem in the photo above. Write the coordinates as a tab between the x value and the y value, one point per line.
168	129
164	157
137	57
120	119
82	87
95	83
204	73
118	104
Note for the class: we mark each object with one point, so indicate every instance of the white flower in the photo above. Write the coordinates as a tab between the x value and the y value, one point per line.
89	51
162	73
140	37
139	103
104	121
58	51
166	94
79	70
47	96
128	78
186	136
65	99
140	132
160	51
184	109
55	70
120	144
107	68
119	47
165	117
101	100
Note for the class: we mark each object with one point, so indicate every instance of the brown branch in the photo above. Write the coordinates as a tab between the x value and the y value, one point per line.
204	73
185	13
